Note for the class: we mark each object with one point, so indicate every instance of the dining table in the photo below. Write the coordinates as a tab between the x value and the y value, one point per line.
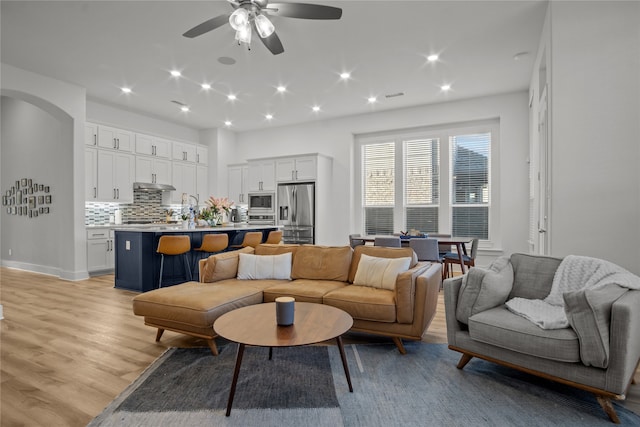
459	242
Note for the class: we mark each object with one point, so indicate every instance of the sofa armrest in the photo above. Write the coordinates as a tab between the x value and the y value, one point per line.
451	293
406	291
624	344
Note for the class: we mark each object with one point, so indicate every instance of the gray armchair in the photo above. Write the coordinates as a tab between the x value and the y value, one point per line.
488	330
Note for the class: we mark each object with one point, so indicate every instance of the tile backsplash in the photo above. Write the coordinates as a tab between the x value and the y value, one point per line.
147	205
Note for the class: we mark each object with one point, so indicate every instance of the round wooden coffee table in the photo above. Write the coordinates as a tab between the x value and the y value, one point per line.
256	325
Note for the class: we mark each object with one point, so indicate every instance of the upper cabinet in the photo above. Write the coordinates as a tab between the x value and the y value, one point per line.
202	155
153	146
90	174
115	139
303	168
91	134
237	176
153	170
184	179
261	175
115	176
184	151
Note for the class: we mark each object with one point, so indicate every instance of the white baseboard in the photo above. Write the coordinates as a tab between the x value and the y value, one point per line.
48	270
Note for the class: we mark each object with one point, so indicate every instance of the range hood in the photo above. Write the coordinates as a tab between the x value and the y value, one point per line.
148	186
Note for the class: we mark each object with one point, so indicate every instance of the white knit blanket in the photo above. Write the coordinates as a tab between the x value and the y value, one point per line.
574	273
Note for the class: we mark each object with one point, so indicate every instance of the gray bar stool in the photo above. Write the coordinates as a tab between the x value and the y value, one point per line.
174	245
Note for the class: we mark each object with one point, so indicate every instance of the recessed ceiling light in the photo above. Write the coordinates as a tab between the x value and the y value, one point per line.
345	76
281	89
226	60
445	87
268	116
176	73
228	123
432	58
126	90
315	108
184	108
520	55
231	97
372	99
206	86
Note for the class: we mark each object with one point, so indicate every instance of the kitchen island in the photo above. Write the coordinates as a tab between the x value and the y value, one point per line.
137	265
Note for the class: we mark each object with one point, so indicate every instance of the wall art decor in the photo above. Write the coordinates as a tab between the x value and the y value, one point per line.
27	198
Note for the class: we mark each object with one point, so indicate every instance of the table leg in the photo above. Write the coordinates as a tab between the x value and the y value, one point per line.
236	371
344	362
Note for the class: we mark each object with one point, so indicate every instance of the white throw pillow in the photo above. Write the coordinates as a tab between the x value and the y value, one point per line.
380	272
251	267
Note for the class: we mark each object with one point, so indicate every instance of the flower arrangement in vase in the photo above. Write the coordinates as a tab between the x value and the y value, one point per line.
216	207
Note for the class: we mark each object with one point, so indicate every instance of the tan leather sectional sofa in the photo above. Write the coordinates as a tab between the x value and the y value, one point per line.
319	274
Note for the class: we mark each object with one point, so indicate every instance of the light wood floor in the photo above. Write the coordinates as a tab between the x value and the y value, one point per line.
69	348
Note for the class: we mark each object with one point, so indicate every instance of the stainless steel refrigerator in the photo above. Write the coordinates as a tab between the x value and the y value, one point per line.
296	212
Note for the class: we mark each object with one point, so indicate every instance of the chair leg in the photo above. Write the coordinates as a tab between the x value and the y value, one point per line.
464	360
606	404
159	334
161	267
398	342
212	345
187	269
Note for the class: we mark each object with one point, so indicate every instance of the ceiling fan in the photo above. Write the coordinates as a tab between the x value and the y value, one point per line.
250	13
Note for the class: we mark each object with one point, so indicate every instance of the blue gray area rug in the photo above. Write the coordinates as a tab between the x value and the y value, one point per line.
306	386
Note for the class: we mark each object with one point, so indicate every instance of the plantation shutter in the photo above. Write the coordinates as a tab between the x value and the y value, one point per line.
379	187
422	184
470	188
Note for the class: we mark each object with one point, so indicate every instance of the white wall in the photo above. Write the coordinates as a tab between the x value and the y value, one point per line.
595	134
64	163
335	138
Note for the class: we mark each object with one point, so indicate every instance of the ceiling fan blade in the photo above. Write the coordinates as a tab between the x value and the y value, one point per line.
207	26
306	10
273	43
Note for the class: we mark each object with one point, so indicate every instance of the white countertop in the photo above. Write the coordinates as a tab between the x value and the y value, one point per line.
177	228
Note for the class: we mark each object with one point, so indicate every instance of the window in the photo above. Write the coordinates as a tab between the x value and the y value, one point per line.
435	180
470	156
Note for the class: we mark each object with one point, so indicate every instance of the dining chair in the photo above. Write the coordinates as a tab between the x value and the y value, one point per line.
451	258
355	241
425	248
388	241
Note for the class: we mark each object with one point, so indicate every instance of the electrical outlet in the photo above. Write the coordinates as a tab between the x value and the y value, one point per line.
127	245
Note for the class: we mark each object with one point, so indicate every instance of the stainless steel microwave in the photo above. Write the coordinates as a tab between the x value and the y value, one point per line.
262	203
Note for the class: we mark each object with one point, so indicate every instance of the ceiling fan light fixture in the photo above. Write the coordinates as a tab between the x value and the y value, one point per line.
239	19
243	35
264	26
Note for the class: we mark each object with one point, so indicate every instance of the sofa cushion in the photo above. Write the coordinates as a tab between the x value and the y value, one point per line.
222	266
276	249
532	275
589	314
380	272
303	290
500	327
380	252
322	263
255	267
483	289
364	302
195	304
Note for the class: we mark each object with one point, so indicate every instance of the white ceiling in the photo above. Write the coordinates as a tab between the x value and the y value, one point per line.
104	45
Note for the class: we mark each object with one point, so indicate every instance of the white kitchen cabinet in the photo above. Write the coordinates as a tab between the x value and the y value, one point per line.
115	176
262	175
303	168
115	139
152	146
202	183
91	134
202	155
100	252
237	180
184	179
90	174
153	170
184	151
